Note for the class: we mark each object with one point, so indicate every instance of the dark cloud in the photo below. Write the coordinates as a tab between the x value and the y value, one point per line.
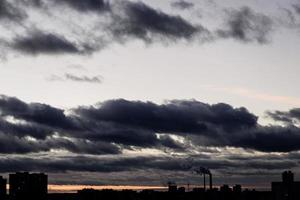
146	23
126	20
126	136
272	139
121	22
248	26
43	121
68	164
297	8
290	117
10	144
110	164
35	112
167	141
86	5
21	143
181	4
82	146
79	163
190	117
39	42
22	130
207	125
78	5
120	124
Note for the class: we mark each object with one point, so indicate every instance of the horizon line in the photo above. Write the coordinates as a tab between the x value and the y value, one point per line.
71	188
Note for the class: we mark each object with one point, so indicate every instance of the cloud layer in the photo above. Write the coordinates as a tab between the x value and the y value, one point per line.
98	138
106	22
126	124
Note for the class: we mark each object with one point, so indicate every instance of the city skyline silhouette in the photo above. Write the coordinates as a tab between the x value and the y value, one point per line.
25	185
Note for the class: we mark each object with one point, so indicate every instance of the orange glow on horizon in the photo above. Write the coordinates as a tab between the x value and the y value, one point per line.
72	188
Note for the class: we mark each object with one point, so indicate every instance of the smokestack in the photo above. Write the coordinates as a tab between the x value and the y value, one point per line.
204	182
204	171
210	181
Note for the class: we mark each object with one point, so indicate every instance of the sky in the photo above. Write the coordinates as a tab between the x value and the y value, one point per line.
139	93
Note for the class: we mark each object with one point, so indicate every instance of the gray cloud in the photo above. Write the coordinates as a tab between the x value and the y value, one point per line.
297	8
93	79
39	42
77	78
10	12
181	4
248	26
125	20
110	164
86	5
37	3
144	22
290	117
121	22
81	146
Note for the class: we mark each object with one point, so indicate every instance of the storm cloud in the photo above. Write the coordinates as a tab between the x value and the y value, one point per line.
35	112
191	117
136	124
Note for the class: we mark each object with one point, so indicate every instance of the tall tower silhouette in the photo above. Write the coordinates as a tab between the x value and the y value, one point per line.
2	188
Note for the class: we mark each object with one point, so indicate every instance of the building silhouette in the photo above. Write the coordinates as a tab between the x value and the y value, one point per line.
172	187
28	186
181	189
2	188
237	189
225	189
288	189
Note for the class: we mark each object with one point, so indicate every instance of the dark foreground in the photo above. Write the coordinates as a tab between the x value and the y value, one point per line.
154	195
